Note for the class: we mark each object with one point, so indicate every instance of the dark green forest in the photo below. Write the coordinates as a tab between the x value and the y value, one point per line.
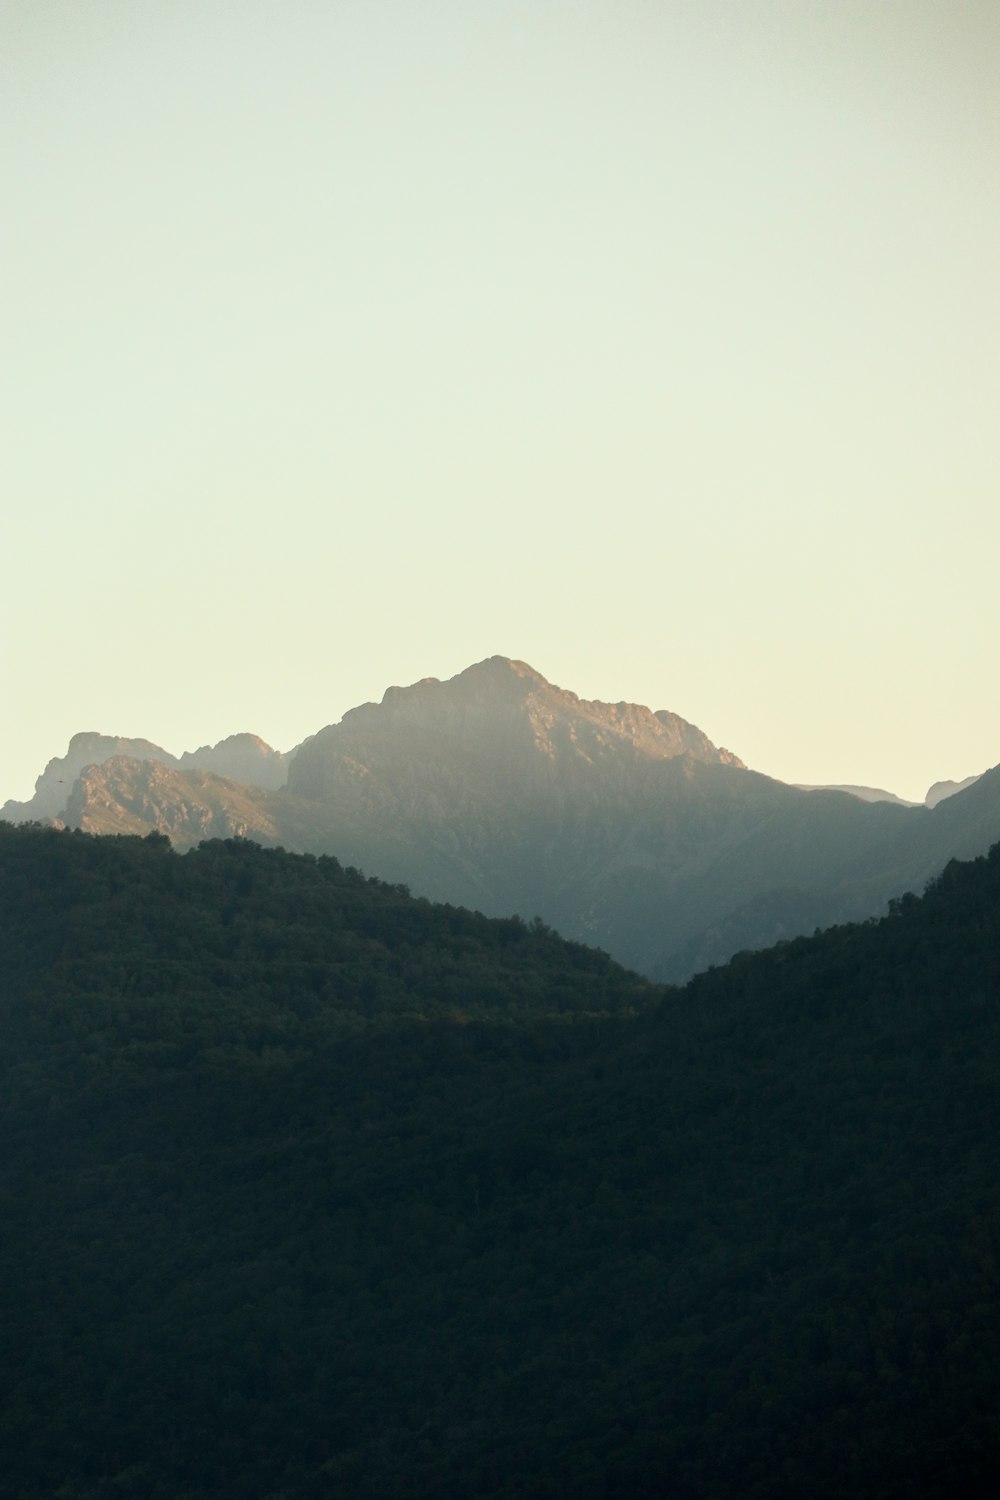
310	1188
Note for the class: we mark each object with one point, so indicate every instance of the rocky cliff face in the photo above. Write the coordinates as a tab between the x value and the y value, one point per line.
53	787
241	757
127	795
499	723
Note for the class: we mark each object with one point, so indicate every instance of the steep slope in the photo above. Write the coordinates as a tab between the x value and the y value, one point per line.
907	852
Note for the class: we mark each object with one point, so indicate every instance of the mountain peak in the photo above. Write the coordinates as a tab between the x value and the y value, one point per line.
242	757
91	742
500	667
498	722
942	790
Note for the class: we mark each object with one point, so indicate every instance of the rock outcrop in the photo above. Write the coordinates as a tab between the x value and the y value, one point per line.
127	795
55	784
242	757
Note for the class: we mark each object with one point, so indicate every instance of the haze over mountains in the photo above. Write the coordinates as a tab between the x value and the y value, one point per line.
620	826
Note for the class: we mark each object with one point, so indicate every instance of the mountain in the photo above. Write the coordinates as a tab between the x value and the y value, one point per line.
620	826
509	722
241	757
903	856
54	786
312	1188
865	793
942	789
935	794
125	794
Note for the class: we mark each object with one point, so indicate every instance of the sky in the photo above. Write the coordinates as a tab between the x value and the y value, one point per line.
653	342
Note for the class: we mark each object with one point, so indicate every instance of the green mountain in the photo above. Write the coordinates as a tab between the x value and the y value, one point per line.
311	1188
621	827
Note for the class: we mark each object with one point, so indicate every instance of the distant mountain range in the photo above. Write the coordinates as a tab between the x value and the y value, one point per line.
620	826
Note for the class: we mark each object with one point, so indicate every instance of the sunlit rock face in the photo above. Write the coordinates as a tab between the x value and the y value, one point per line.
54	785
499	722
241	757
126	795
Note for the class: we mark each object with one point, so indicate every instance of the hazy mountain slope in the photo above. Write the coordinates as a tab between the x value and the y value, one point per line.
905	855
622	827
499	790
941	790
494	788
866	793
241	757
956	827
284	1216
935	794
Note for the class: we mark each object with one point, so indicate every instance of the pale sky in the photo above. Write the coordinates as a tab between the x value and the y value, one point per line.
348	342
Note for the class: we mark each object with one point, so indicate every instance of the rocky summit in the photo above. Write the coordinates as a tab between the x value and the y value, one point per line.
499	723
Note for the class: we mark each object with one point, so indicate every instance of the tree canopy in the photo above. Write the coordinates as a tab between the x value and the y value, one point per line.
311	1188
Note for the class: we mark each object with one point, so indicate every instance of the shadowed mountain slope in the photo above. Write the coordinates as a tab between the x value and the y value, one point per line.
856	870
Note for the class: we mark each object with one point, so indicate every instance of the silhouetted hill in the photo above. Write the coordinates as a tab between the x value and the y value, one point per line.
310	1188
232	914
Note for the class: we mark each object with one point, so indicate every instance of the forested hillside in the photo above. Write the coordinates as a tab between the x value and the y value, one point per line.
312	1189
